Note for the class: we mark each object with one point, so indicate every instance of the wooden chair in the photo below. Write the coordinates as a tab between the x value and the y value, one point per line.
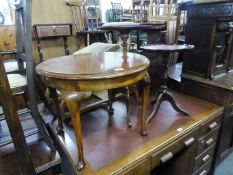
19	83
24	53
164	11
140	10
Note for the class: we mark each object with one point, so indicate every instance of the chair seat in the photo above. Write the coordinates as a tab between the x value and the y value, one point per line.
17	83
12	66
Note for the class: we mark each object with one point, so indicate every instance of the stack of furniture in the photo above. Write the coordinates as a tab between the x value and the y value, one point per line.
207	69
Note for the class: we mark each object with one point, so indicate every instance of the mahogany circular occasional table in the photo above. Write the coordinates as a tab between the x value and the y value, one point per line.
94	71
163	94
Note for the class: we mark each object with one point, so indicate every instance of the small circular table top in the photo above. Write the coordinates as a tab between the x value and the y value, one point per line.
167	48
124	26
92	66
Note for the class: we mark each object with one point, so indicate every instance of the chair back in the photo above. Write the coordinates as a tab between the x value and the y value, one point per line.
140	10
164	11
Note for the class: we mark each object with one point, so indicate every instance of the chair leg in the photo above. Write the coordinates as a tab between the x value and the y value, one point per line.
57	107
110	101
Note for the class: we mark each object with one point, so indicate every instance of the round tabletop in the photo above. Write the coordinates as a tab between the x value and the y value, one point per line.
124	26
92	66
167	48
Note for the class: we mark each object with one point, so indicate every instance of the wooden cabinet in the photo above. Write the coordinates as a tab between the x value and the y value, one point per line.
209	28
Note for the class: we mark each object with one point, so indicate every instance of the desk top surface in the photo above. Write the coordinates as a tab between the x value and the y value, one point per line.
92	66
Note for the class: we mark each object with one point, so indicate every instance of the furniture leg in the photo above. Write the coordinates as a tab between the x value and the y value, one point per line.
110	101
146	94
124	37
53	93
134	89
156	108
169	97
74	109
129	123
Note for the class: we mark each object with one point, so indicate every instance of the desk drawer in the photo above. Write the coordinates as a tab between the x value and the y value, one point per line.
56	30
169	151
203	158
210	125
207	141
205	169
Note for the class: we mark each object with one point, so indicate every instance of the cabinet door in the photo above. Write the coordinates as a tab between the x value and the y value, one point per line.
199	60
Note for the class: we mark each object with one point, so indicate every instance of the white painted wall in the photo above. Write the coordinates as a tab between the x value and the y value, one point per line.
106	4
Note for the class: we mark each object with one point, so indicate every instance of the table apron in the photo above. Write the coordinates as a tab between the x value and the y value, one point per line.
94	84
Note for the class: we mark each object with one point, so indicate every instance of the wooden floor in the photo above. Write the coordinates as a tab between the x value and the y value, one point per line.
106	138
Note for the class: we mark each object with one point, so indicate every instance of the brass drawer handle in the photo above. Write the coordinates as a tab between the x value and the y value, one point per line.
206	158
203	172
189	142
166	157
213	125
210	141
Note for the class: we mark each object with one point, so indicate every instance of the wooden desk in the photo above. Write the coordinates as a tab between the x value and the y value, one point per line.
111	148
96	71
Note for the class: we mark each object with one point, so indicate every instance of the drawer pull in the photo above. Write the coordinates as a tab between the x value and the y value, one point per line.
209	142
213	125
54	29
166	157
189	142
206	158
203	172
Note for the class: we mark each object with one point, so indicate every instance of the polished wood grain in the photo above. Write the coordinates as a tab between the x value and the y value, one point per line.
104	65
95	71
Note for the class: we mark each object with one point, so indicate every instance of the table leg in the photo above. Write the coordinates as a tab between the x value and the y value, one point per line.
73	106
54	95
146	95
110	101
124	37
129	123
